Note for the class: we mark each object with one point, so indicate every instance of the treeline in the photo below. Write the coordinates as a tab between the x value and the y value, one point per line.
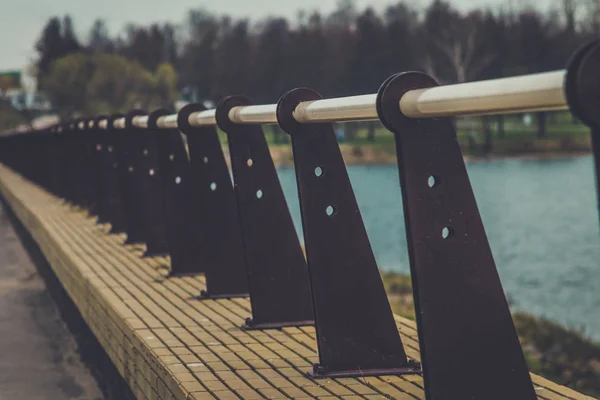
347	52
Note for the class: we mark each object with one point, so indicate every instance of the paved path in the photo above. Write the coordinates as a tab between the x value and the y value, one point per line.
38	354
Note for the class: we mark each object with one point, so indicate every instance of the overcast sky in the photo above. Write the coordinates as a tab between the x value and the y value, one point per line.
21	21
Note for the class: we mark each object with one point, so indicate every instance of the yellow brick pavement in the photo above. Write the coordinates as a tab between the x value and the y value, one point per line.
167	345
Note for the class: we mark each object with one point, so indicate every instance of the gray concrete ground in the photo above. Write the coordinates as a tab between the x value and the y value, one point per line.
39	357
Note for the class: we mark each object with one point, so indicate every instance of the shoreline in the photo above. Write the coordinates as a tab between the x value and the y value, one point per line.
378	155
553	155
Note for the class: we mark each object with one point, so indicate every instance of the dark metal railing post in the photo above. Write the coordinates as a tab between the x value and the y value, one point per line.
214	210
277	272
76	165
98	147
356	331
76	158
185	246
53	157
113	198
463	318
104	170
87	167
35	155
92	166
69	163
58	155
128	156
582	83
152	204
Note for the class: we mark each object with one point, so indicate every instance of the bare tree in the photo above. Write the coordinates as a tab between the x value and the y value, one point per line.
592	19
569	8
459	51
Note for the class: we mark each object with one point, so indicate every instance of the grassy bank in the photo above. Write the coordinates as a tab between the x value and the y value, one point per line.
556	352
364	143
369	143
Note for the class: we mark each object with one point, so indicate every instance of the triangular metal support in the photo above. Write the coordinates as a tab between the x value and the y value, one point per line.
94	166
277	272
128	158
463	318
112	197
149	183
173	168
582	87
356	331
214	210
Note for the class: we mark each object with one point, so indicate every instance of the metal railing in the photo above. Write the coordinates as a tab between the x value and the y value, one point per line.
133	171
537	92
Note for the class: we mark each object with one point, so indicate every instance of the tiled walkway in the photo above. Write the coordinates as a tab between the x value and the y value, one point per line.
170	346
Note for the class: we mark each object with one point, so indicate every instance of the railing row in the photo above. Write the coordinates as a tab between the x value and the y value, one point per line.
134	172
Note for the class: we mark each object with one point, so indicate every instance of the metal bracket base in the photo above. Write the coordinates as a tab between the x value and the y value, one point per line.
148	254
204	295
115	231
133	240
249	325
175	274
413	367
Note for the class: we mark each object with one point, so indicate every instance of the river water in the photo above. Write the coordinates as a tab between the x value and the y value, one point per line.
542	223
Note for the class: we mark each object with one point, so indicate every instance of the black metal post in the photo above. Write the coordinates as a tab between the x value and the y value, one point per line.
356	331
52	156
91	167
106	172
277	272
77	161
128	156
152	205
87	167
463	318
214	210
69	163
185	246
113	198
582	87
96	137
